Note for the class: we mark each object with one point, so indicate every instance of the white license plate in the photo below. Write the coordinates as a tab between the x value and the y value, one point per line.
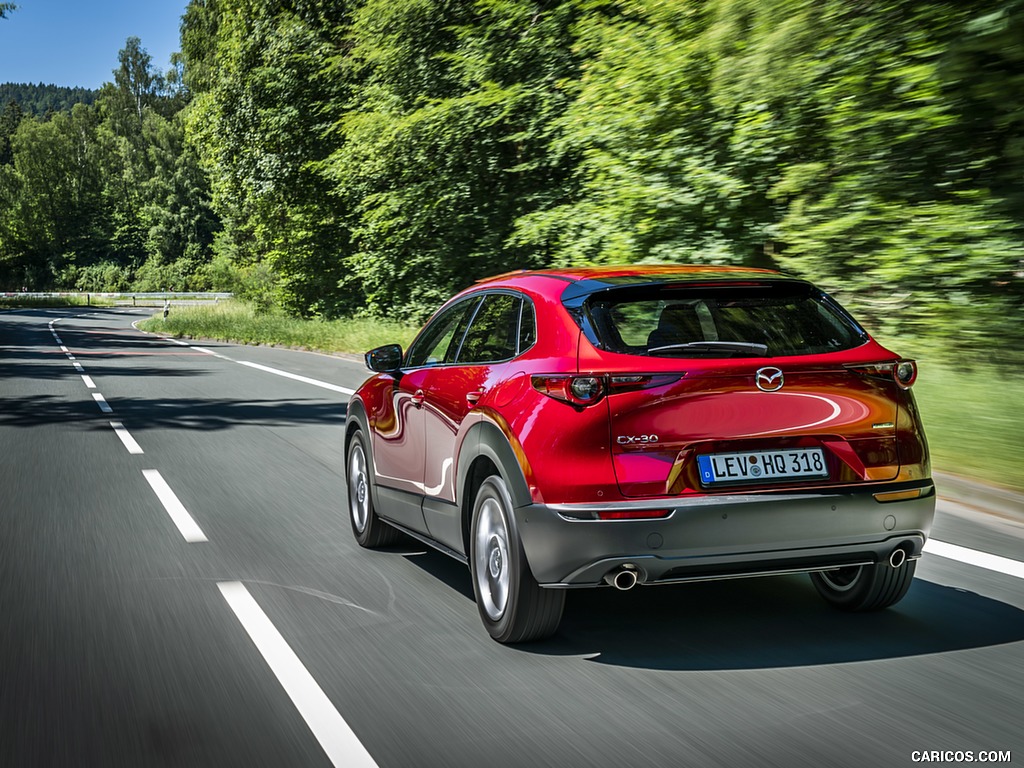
759	466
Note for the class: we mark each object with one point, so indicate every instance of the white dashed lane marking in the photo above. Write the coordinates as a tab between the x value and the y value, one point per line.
126	438
190	530
342	746
88	382
102	403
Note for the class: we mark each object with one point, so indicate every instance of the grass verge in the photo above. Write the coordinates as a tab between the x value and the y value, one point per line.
973	427
237	322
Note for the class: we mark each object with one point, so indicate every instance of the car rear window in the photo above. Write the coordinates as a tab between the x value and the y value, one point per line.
770	320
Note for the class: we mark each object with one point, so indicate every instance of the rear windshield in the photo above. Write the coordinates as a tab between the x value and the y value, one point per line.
772	320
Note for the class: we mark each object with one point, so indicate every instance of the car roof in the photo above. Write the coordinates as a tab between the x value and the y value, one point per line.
627	273
579	282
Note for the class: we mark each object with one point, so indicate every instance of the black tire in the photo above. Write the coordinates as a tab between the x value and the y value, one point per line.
370	531
865	587
513	607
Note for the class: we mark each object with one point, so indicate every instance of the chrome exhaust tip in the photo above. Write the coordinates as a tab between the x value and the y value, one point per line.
622	579
898	557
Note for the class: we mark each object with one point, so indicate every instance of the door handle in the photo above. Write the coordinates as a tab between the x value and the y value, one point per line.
418	397
474	397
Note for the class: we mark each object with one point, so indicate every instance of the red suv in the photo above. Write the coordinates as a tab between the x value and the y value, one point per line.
643	425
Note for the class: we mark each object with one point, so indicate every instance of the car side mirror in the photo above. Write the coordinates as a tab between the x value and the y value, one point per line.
386	359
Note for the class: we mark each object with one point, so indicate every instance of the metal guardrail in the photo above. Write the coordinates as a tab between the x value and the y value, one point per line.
119	295
125	296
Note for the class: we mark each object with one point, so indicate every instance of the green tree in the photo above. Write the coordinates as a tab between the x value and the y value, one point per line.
256	121
52	195
10	119
445	141
652	179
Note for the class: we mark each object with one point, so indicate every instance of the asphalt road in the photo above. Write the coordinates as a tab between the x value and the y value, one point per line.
184	590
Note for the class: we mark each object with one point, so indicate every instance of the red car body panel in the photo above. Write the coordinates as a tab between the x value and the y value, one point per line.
631	445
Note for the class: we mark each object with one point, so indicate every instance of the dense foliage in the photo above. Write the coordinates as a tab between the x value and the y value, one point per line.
105	195
370	155
40	99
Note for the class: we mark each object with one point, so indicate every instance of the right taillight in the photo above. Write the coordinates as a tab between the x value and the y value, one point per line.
903	372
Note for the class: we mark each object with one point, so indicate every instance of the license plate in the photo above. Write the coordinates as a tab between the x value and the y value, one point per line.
760	466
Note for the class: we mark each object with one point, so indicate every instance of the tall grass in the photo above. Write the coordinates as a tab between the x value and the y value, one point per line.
973	420
238	322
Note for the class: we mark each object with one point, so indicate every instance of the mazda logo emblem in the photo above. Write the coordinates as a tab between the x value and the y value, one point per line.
769	379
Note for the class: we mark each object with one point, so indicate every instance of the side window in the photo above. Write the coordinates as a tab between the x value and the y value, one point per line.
439	341
494	334
527	327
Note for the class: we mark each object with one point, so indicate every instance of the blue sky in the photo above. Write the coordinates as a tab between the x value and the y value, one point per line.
75	42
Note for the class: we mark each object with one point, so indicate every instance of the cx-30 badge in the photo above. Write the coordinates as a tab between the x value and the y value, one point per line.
769	379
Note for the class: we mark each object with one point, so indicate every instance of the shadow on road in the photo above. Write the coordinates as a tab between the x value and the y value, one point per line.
772	622
144	413
758	623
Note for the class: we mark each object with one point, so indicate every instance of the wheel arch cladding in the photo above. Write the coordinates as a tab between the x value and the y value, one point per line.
356	419
484	450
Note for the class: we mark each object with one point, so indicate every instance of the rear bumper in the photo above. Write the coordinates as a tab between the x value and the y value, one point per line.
717	537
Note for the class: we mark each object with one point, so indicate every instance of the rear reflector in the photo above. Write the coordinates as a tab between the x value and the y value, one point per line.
898	495
634	514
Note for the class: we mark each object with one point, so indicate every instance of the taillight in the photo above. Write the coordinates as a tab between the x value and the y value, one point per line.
587	390
578	390
629	382
903	372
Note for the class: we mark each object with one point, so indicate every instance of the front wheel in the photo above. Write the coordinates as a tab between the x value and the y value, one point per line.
865	587
370	531
513	607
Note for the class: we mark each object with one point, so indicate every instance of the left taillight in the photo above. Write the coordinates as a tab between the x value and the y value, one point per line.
578	390
588	389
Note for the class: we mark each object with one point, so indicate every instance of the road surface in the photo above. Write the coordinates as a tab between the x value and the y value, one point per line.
179	587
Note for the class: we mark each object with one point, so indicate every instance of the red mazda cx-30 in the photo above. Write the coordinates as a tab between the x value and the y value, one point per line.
643	425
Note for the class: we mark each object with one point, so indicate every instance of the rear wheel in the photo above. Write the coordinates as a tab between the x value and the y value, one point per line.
865	587
513	607
370	531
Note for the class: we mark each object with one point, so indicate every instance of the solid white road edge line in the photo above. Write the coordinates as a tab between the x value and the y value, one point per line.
179	515
210	352
88	382
296	377
974	557
126	438
102	403
342	746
